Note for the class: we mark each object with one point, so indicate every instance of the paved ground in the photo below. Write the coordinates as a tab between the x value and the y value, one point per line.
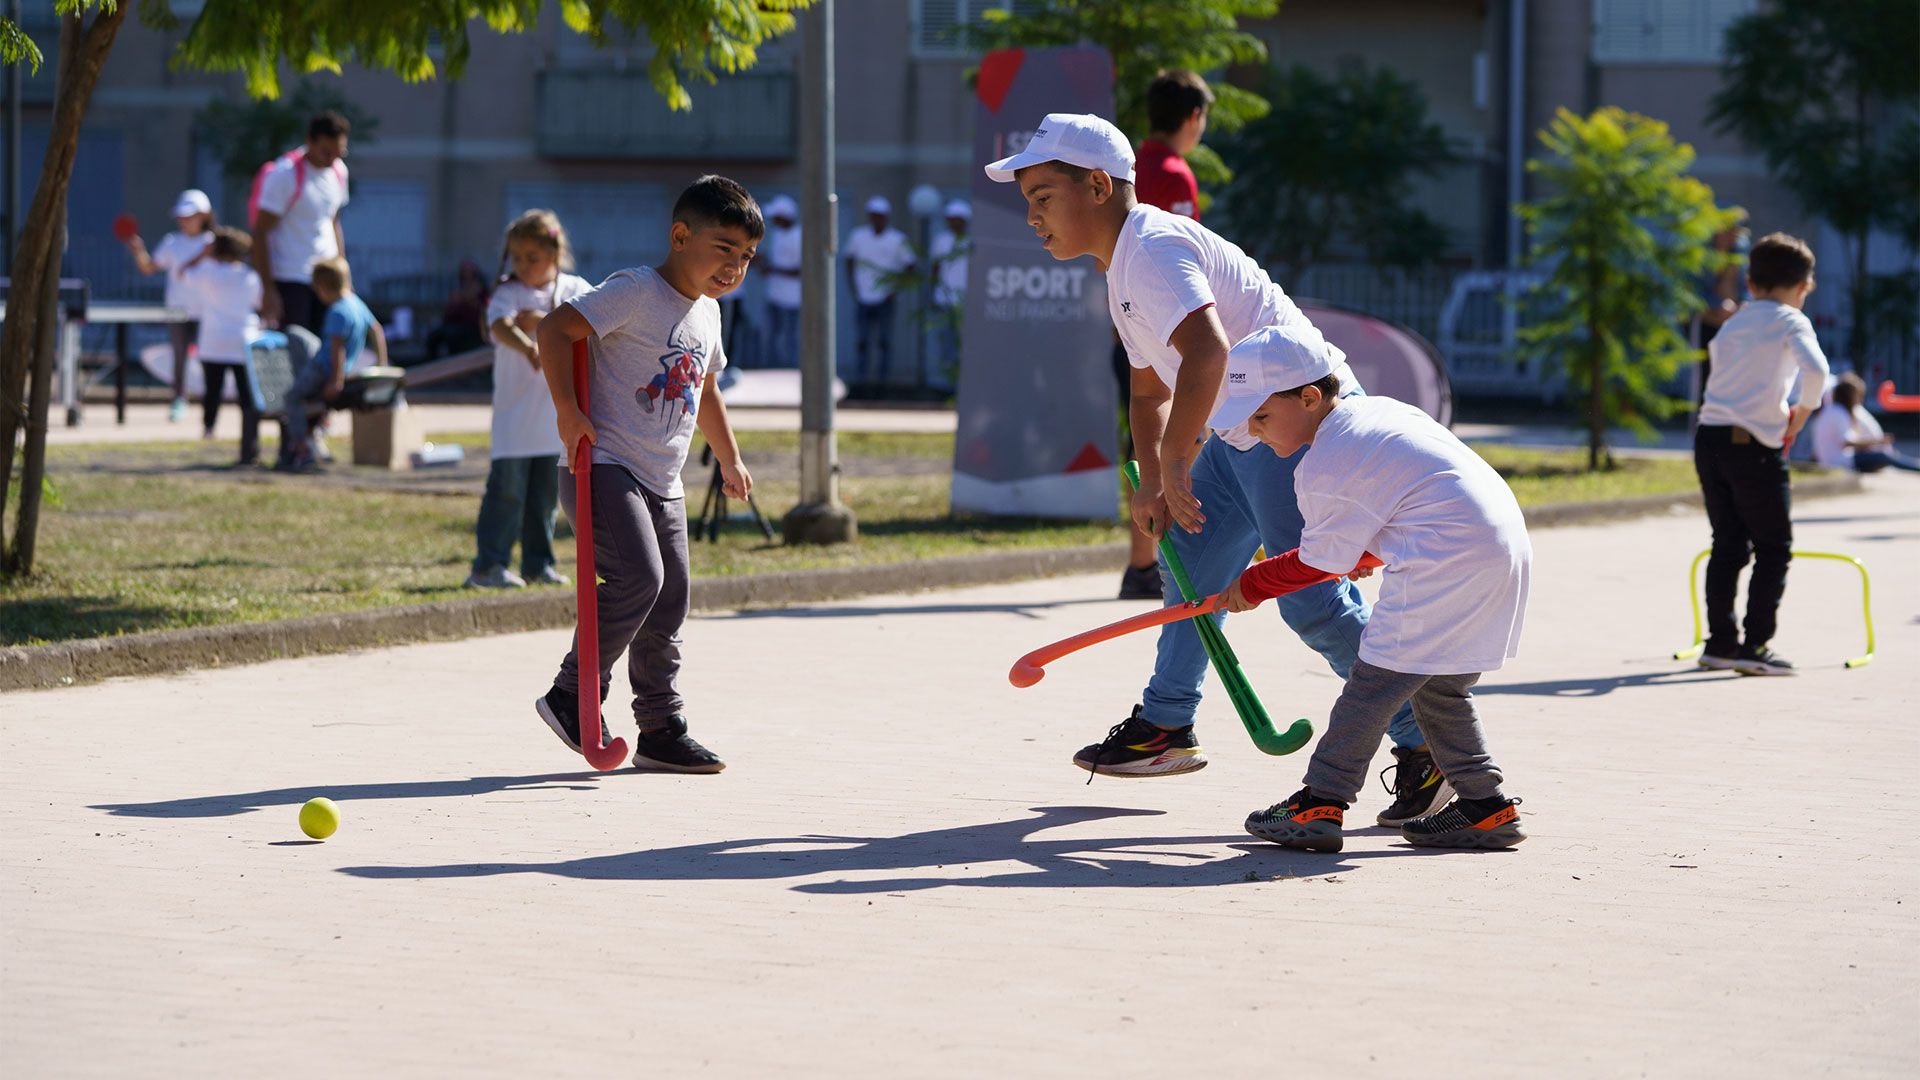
901	876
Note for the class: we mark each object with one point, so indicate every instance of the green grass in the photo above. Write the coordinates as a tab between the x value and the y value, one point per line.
156	536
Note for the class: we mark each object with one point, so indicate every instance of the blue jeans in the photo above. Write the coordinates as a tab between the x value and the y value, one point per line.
873	337
1874	460
1248	499
522	494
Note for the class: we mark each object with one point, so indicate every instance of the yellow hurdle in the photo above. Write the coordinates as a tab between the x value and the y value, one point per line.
1866	603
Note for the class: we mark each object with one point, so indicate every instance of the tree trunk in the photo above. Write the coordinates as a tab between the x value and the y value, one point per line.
33	469
83	52
1596	354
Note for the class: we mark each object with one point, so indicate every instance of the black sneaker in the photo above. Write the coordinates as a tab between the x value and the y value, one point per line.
561	711
1141	583
1468	823
1134	747
1762	661
1418	788
1303	821
1719	657
671	749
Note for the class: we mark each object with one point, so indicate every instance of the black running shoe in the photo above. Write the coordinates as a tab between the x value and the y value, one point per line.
1136	748
671	749
1762	661
1141	583
1468	823
1303	821
1418	788
1719	657
561	711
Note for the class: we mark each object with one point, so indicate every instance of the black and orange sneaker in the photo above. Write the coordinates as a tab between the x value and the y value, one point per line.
1136	748
1468	823
1418	788
1303	821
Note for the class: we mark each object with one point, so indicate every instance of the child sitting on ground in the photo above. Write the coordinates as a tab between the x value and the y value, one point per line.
349	327
1381	476
225	290
655	353
1846	436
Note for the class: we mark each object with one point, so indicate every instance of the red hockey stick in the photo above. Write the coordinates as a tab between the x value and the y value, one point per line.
1028	669
587	625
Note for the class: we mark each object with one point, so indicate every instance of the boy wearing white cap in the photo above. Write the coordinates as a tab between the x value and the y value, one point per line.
872	252
1180	296
1380	477
780	260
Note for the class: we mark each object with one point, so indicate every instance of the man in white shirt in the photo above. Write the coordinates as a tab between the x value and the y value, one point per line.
874	253
1748	415
298	223
950	252
779	259
1846	436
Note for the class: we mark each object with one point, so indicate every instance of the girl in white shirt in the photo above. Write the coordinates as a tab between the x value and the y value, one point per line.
225	290
193	213
523	479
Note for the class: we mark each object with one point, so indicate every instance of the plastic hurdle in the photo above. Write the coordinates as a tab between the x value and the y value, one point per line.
1866	603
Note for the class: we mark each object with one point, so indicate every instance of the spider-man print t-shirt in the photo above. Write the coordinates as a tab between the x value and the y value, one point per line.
652	350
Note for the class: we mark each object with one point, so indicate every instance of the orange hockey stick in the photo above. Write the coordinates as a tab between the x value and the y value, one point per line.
1029	669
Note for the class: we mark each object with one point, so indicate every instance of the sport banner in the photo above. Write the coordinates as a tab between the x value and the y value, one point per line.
1037	401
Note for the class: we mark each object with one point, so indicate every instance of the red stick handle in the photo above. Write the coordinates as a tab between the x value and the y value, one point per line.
586	585
1028	669
1893	402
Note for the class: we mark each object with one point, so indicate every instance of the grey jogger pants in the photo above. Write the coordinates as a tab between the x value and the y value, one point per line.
1442	705
640	554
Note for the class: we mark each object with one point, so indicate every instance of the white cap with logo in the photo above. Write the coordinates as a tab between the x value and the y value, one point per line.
192	201
1076	138
1269	361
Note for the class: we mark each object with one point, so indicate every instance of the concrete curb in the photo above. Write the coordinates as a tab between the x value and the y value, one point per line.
71	663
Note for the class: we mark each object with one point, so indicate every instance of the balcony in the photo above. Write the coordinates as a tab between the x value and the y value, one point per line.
617	114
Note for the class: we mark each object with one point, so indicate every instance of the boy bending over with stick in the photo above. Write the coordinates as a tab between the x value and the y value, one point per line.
1381	476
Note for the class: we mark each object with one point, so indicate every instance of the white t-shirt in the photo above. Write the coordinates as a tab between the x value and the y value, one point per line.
951	289
174	251
1382	476
874	254
1166	267
1756	358
1834	427
304	234
781	251
652	352
226	295
524	424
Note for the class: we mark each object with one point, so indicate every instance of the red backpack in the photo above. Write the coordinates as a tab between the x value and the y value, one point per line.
297	155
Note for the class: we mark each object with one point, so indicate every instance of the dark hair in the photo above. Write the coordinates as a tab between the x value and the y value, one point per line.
716	200
328	125
1778	260
1328	385
1172	97
1073	173
1852	387
230	244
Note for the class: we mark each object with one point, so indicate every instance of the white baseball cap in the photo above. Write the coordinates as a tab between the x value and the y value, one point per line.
958	208
782	206
1269	361
879	205
1076	138
192	201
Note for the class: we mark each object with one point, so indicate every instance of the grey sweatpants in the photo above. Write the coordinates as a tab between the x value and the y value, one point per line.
1443	707
640	555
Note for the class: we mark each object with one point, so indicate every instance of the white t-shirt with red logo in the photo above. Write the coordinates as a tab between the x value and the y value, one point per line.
307	199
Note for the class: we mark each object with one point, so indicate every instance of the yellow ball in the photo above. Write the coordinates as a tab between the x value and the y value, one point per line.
319	818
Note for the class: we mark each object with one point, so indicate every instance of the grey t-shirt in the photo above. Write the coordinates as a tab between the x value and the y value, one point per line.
652	350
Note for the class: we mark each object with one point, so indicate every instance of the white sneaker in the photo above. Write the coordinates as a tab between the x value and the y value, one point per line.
498	577
549	576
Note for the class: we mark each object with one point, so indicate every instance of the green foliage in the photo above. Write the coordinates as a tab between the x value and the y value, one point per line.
690	37
249	134
1335	161
16	47
1624	236
1828	93
1143	39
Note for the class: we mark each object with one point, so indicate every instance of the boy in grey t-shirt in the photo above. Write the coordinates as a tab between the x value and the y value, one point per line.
654	347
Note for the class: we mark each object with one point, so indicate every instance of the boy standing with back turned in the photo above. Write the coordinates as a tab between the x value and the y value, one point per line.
1739	449
655	354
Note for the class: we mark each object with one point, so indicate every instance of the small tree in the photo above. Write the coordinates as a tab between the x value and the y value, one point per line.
1624	237
690	39
1335	161
246	135
1142	39
1828	93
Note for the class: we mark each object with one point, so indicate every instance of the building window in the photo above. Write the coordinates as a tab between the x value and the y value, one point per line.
1663	31
936	23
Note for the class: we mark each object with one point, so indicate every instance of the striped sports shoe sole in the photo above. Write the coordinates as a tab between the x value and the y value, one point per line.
1484	824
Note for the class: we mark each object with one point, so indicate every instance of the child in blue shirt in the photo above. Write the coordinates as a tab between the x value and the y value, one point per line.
344	336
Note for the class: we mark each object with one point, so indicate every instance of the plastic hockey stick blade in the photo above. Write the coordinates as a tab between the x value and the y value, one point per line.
1267	738
587	625
1030	668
